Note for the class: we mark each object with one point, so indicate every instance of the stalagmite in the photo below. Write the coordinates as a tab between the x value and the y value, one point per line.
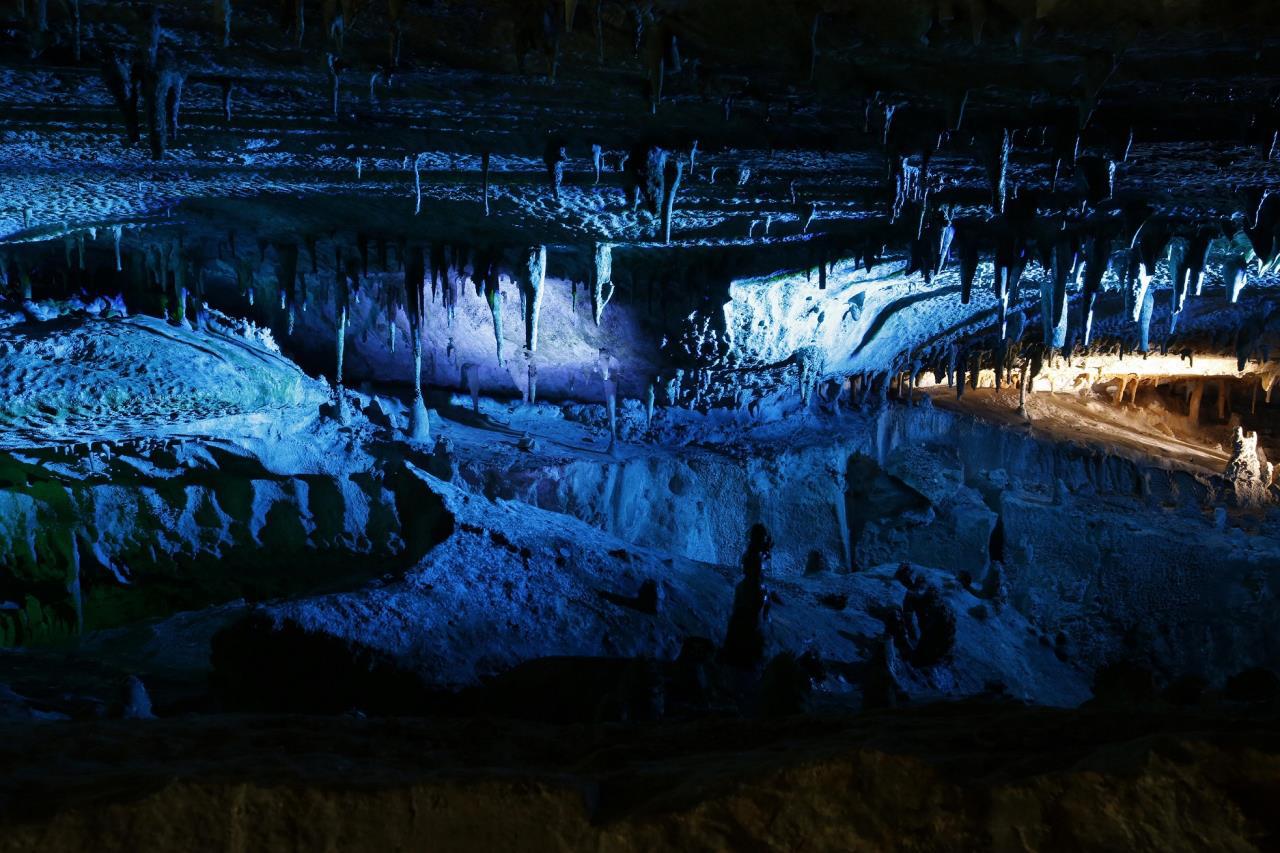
24	279
602	279
1193	404
1248	477
673	171
179	265
471	374
606	363
554	157
415	273
342	309
648	407
535	277
417	185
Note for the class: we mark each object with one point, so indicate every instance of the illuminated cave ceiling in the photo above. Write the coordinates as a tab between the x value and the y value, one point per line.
934	160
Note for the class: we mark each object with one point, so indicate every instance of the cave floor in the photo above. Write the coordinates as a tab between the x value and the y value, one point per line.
1087	419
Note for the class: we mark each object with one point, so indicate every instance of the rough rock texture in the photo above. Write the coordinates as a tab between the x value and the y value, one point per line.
1246	475
968	309
959	777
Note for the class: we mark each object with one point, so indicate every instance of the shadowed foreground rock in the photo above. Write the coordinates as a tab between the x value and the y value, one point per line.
947	777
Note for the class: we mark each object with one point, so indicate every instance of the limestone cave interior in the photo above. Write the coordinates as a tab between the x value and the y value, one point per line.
629	425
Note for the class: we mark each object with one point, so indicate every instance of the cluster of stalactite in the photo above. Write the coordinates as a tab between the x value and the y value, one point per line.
1070	220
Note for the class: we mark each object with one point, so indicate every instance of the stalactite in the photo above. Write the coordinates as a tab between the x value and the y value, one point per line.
907	185
999	170
122	83
968	250
173	101
602	279
439	269
1235	275
1148	245
75	29
1053	292
657	73
362	246
334	23
484	174
287	279
334	66
1197	256
535	277
1144	321
1099	255
116	231
599	28
395	35
813	46
493	296
597	161
352	266
222	20
161	109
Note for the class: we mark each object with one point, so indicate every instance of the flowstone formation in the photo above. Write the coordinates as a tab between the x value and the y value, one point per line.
1248	476
617	390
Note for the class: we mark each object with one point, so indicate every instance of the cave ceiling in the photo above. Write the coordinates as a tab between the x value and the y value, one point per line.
1090	152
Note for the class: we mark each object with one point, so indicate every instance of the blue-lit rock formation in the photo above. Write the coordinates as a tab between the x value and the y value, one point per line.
660	414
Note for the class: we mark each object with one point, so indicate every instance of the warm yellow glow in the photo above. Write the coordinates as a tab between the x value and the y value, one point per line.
1063	375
